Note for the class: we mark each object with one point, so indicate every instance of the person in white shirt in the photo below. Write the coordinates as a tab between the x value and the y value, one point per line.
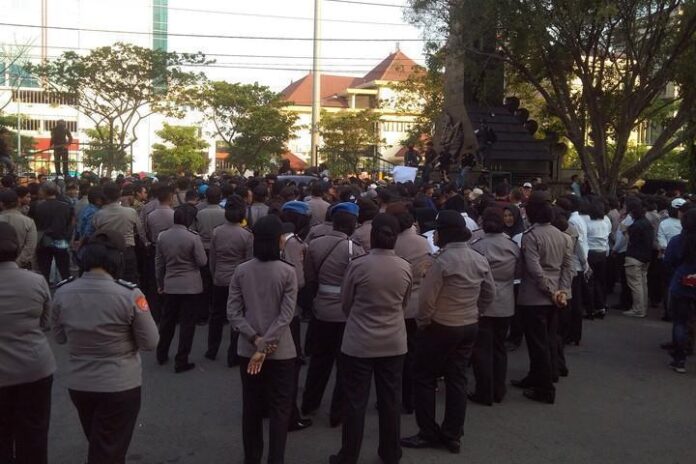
598	231
619	252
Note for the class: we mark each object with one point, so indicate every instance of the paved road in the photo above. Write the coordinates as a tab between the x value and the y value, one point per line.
621	404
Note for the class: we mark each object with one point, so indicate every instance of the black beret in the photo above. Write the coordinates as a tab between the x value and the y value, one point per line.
110	238
386	221
449	219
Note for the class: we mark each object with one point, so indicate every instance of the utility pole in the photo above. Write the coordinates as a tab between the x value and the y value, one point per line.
19	128
316	85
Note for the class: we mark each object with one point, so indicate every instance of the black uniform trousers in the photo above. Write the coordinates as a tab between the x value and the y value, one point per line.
130	266
598	293
296	331
540	330
324	347
407	391
489	359
46	255
655	272
60	156
108	420
154	299
572	327
442	351
272	388
218	316
25	412
357	376
516	328
206	303
181	308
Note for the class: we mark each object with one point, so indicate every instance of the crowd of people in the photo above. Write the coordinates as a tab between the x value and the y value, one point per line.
409	284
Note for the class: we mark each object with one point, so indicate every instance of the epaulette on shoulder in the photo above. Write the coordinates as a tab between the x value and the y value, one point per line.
477	251
125	283
528	230
476	240
361	256
63	282
297	238
288	263
407	261
193	231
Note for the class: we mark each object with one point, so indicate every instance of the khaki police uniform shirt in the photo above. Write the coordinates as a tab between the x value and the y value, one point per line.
160	219
332	252
457	284
25	355
362	235
547	265
123	220
262	302
415	249
503	256
230	246
178	259
318	230
375	292
207	220
26	235
318	208
294	252
105	325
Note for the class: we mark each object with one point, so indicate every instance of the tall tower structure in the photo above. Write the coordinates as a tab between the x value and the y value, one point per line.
160	24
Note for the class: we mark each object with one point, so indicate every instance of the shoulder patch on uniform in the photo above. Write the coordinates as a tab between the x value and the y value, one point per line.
529	230
125	283
141	304
288	263
63	282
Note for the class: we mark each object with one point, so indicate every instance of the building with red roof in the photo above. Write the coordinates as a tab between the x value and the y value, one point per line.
375	90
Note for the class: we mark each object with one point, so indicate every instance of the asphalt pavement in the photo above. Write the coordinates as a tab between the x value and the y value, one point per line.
620	404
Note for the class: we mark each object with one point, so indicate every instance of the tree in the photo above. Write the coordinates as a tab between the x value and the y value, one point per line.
28	143
13	60
100	151
349	139
602	67
422	94
250	119
183	151
118	86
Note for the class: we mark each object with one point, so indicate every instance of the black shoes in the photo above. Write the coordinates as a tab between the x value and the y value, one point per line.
453	446
335	421
299	424
162	361
209	355
536	395
418	442
184	367
522	383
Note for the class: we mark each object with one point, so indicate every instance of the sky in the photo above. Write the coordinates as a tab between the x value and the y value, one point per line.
275	63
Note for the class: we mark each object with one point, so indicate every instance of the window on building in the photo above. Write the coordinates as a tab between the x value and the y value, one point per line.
364	101
42	98
31	124
50	124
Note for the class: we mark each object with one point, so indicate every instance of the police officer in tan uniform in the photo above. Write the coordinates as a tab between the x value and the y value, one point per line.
415	249
546	280
230	246
296	216
375	292
26	360
368	210
325	266
261	304
458	283
160	218
179	257
124	221
489	359
105	323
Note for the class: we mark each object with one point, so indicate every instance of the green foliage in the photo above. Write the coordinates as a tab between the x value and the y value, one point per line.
120	85
250	119
601	67
183	151
422	94
350	140
101	152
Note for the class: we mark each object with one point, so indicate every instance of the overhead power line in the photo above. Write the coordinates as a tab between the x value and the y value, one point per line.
233	55
357	2
298	18
214	36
